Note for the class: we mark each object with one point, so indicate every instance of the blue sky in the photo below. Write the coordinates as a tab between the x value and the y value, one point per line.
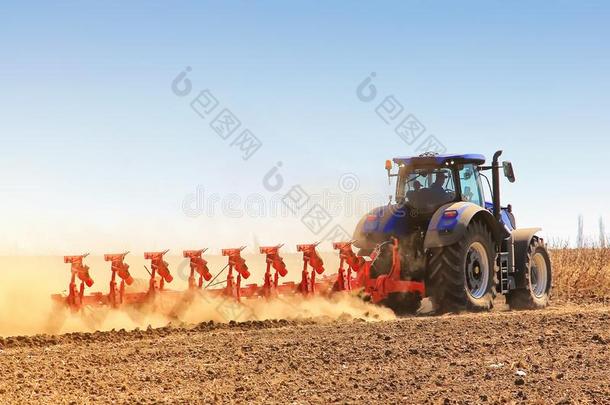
99	154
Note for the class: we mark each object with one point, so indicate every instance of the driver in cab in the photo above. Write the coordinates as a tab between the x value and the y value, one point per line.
437	192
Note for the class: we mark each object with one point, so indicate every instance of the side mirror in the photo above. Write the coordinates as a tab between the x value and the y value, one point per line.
508	171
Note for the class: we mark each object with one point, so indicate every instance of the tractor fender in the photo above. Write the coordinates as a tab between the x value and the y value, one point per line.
521	241
448	231
379	224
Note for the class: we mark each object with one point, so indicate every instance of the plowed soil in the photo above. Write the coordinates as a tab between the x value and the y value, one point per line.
560	355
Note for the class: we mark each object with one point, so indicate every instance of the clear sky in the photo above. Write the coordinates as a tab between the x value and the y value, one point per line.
98	153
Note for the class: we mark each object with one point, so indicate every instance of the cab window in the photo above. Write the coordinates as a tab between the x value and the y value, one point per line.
469	183
425	189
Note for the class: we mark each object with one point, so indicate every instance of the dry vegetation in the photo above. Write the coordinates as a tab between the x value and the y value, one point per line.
581	274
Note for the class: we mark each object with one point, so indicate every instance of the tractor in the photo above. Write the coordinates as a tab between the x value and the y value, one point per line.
438	235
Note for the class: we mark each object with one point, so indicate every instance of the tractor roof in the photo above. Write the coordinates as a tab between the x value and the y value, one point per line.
436	159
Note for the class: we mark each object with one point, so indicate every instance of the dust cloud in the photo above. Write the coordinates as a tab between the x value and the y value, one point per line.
26	307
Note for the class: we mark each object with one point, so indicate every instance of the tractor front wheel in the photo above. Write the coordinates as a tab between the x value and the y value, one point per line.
462	276
537	273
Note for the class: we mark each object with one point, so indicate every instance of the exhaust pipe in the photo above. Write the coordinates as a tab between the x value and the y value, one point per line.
495	173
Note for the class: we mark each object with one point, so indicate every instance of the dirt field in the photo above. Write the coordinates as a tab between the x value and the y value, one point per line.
562	353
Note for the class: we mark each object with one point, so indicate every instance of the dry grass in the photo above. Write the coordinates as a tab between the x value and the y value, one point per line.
581	274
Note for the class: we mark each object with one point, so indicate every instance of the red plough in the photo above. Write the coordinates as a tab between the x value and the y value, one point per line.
199	266
158	266
313	259
116	297
345	281
237	263
381	287
274	260
76	298
353	274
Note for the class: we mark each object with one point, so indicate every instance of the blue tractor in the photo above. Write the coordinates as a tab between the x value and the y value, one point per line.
441	233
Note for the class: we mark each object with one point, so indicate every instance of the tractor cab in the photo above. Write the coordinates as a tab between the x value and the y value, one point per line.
424	183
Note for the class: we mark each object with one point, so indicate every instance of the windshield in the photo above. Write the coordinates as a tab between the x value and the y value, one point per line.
425	189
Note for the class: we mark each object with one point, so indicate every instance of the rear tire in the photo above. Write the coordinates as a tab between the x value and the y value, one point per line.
538	279
462	276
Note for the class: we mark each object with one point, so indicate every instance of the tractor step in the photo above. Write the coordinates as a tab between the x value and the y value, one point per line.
506	266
